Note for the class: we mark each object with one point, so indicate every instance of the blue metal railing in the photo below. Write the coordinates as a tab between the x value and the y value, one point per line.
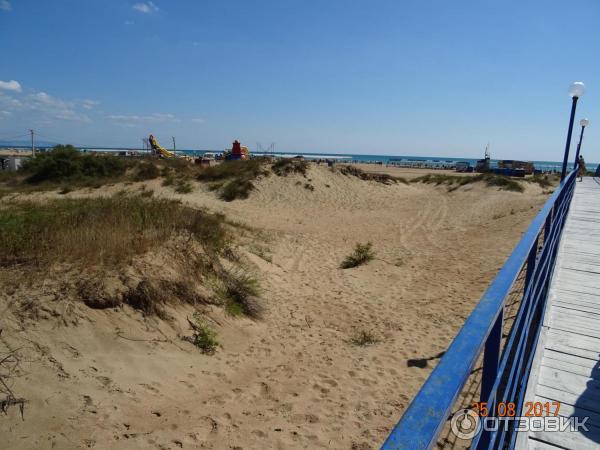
505	370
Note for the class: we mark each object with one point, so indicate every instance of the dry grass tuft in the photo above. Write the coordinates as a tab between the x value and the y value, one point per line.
378	177
362	254
286	166
362	338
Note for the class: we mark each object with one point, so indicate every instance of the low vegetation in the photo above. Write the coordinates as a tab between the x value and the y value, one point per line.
65	163
234	179
183	186
544	181
286	166
146	171
456	181
203	337
362	338
367	176
362	254
100	230
239	292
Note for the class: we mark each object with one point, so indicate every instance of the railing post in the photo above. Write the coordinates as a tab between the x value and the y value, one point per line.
491	362
531	260
548	224
491	359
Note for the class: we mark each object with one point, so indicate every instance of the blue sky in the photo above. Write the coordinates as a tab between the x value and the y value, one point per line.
382	77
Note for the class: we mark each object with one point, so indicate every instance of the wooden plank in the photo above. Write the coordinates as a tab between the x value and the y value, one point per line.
591	318
574	328
592	321
532	444
532	382
577	288
576	308
584	346
566	398
575	298
565	366
569	382
571	359
569	440
566	410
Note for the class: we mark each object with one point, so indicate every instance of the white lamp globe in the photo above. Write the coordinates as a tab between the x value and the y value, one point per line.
577	89
584	122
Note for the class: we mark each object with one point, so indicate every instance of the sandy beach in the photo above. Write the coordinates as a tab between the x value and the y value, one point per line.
292	379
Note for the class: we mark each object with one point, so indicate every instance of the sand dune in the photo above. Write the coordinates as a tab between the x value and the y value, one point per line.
292	379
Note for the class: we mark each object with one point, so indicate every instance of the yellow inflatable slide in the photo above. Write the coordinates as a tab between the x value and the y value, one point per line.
160	150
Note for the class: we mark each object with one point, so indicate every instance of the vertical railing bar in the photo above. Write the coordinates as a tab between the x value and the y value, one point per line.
531	296
425	416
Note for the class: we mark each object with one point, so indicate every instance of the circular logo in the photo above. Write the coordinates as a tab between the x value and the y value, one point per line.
466	424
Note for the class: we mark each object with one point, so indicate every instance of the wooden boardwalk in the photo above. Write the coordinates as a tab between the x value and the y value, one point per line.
566	365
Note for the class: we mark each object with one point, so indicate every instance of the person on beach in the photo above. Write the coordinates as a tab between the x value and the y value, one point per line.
582	169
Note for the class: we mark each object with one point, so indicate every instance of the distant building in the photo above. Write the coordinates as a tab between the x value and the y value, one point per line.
11	163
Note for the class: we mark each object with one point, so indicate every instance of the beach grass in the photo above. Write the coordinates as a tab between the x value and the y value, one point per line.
368	176
104	230
286	166
203	337
239	292
456	181
362	254
234	179
362	338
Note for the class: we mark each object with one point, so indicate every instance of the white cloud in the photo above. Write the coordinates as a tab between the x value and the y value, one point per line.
5	5
198	120
89	104
47	107
145	7
155	117
69	114
129	22
41	100
11	85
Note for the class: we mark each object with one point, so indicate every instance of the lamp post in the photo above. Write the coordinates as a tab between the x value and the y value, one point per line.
584	123
576	90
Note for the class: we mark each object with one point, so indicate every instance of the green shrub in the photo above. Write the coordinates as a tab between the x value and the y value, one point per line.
146	171
362	254
203	337
234	179
245	169
236	188
65	163
240	292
